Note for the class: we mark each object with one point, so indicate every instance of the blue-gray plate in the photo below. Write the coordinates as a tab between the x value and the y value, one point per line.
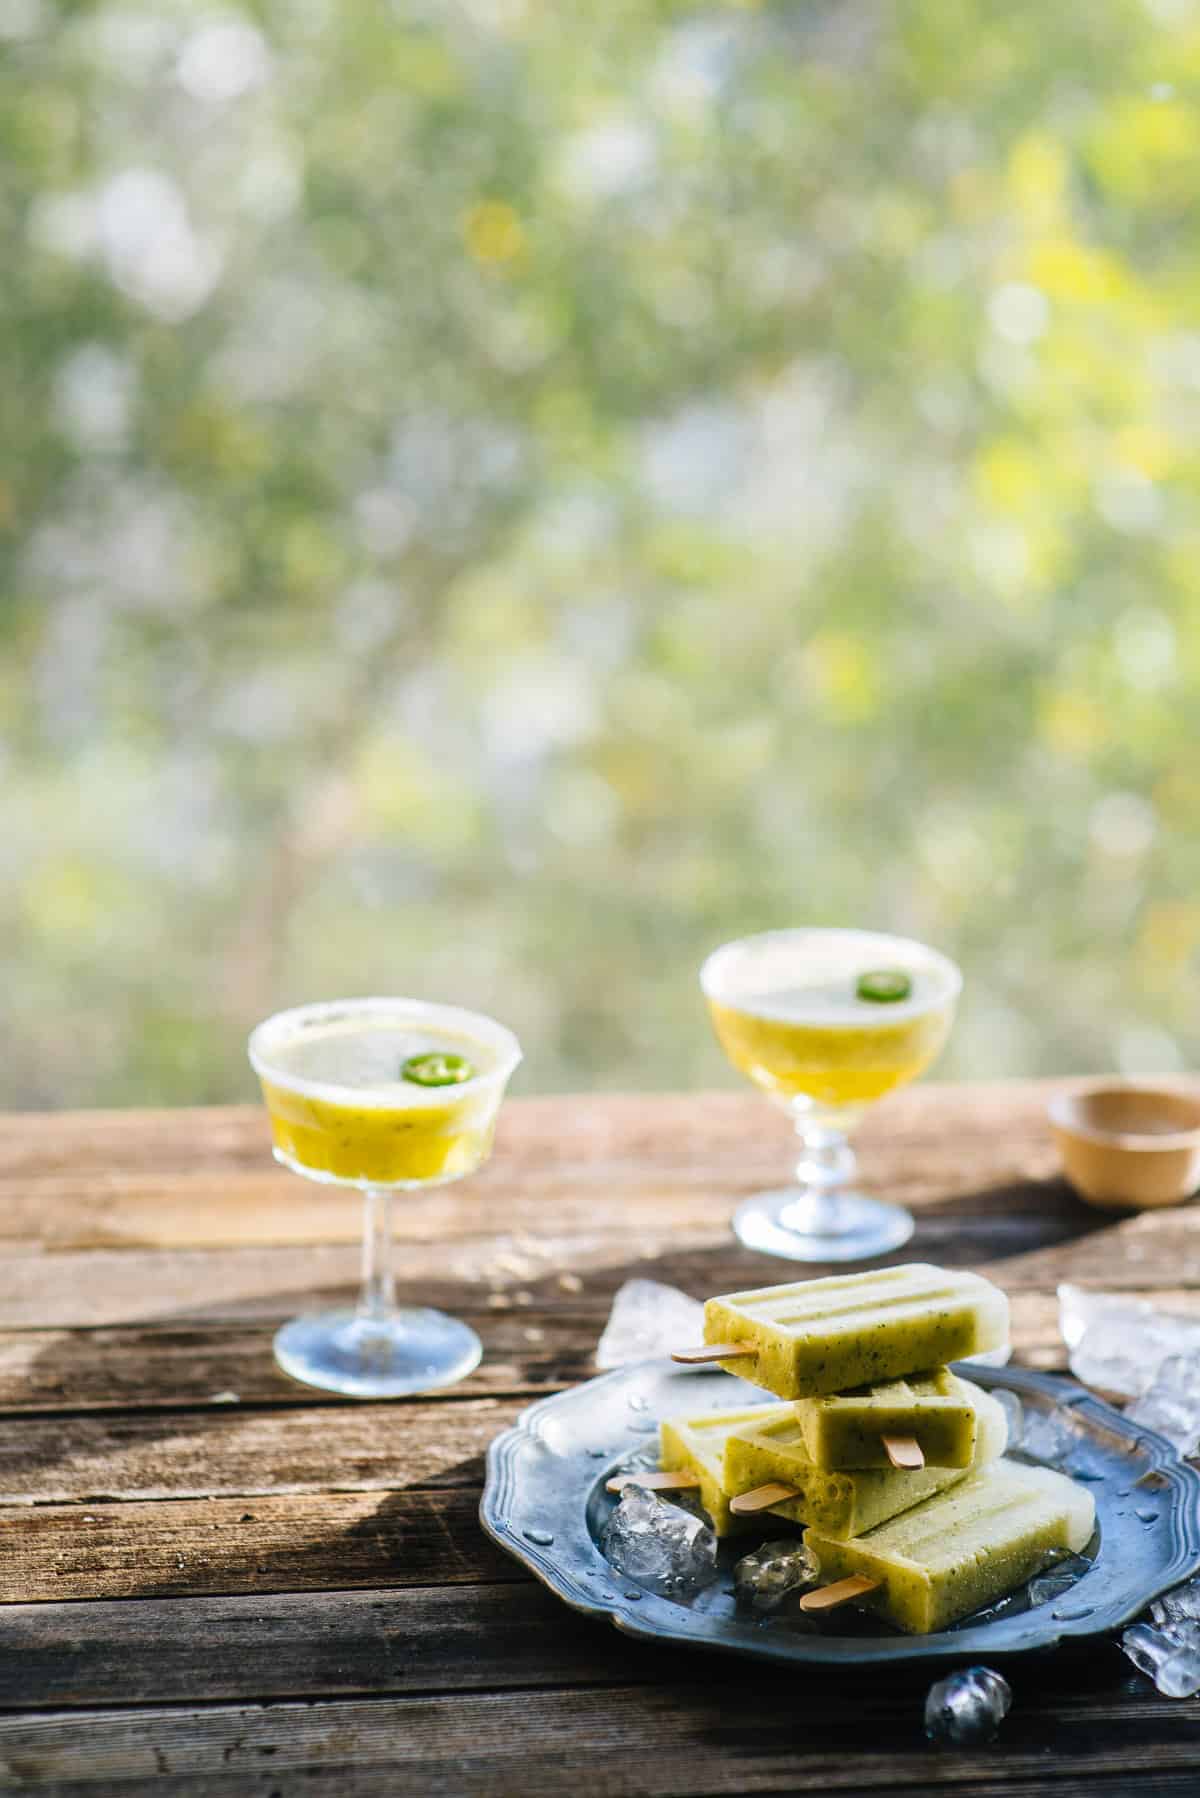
545	1502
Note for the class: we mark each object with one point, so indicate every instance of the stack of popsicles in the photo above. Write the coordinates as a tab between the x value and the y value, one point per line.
893	1462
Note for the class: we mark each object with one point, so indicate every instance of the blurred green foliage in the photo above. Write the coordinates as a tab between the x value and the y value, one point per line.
496	498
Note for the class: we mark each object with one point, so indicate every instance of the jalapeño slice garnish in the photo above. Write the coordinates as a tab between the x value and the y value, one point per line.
884	986
437	1069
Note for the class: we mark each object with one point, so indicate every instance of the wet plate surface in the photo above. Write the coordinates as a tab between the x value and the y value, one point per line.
545	1502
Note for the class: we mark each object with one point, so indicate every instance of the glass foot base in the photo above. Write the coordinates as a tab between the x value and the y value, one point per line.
861	1227
410	1351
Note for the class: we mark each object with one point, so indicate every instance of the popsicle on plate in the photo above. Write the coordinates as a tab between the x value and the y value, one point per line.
962	1548
697	1445
854	1429
769	1449
822	1336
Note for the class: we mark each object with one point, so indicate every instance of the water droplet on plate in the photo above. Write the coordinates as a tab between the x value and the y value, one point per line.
597	1454
1072	1613
633	1597
543	1538
1146	1515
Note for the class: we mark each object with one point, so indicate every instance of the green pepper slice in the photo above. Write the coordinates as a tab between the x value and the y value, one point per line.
436	1068
884	986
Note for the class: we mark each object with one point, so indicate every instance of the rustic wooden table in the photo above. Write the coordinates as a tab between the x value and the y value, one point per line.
219	1582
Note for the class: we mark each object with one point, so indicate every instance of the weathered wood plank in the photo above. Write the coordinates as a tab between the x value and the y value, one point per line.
157	1366
695	1250
210	1208
382	1781
374	1781
749	1732
296	1542
1147	1250
228	1451
526	1350
267	1208
531	1348
430	1638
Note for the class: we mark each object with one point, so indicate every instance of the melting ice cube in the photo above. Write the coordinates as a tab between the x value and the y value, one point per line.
1171	1655
765	1577
1048	1436
967	1708
659	1545
1119	1343
648	1319
1172	1404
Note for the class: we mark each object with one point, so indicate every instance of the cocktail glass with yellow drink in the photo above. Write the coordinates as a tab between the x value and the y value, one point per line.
826	1022
385	1096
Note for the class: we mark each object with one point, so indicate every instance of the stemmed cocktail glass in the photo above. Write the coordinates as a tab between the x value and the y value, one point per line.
826	1022
384	1096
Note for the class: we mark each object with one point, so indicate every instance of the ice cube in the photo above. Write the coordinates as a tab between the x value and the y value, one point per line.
1179	1606
1048	1436
765	1577
1148	1648
1057	1579
661	1546
1179	1676
967	1708
1169	1654
1118	1343
648	1319
1172	1404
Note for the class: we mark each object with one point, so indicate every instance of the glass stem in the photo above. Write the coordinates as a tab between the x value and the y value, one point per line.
825	1169
378	1297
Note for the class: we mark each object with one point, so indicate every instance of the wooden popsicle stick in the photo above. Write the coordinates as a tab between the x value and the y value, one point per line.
842	1591
712	1351
680	1481
904	1452
762	1498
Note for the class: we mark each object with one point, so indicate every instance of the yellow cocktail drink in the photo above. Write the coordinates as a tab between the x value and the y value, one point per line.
826	1022
838	1063
341	1108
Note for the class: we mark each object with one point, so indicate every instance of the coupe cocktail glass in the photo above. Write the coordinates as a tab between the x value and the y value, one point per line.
788	1010
344	1110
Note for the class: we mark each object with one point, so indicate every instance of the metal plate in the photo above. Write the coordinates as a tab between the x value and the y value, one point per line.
544	1501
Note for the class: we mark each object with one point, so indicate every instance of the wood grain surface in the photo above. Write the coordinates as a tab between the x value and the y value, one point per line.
216	1581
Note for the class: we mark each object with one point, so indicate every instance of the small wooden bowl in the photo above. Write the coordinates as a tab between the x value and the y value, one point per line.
1129	1147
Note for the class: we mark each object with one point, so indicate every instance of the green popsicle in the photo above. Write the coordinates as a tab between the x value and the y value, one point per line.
962	1548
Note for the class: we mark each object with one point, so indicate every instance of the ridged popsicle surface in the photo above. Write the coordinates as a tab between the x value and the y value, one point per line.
821	1336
